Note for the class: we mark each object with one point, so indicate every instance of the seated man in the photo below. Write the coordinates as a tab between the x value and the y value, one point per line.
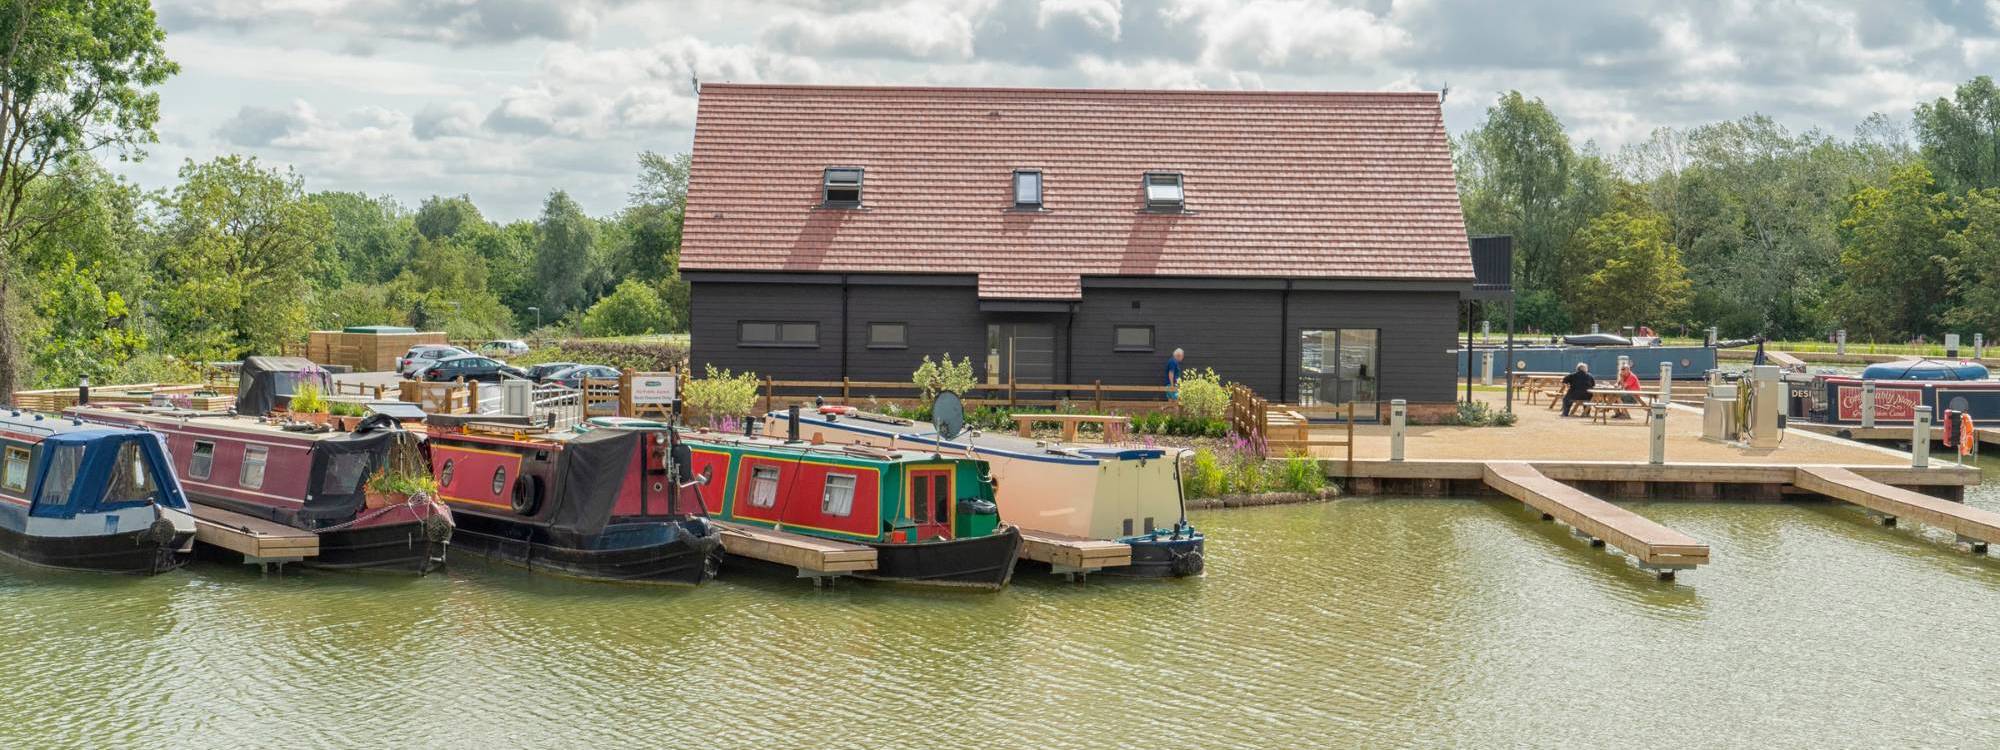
1576	387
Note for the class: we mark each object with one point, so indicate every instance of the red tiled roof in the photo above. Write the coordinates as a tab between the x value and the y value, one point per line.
1278	185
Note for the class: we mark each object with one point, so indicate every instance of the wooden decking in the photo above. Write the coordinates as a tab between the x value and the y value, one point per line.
1975	527
814	557
1656	547
1988	436
258	540
1071	554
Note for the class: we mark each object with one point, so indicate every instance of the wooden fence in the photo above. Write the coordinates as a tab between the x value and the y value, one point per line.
1096	395
1282	431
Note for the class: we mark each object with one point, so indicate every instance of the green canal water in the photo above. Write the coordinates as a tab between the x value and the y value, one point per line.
1434	623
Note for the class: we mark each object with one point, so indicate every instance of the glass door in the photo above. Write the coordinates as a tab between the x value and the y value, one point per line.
1339	366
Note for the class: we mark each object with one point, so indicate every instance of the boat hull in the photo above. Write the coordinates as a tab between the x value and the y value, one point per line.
1164	558
134	552
404	548
676	559
985	562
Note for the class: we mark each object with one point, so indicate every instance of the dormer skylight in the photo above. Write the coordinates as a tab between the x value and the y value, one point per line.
1163	191
1027	188
843	187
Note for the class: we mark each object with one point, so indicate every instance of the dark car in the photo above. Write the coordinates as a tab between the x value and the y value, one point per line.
471	368
540	373
573	377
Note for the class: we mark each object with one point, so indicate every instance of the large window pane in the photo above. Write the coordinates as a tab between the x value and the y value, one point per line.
131	477
252	474
838	499
15	475
1338	366
64	461
202	461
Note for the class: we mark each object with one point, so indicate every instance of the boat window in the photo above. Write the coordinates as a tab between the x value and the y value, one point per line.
344	472
131	477
838	499
252	475
499	480
64	461
203	460
920	492
14	476
940	499
763	486
444	474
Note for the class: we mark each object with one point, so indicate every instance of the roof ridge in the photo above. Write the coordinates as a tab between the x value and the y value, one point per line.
894	88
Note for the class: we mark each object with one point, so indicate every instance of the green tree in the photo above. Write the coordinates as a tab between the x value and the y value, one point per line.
236	258
76	77
370	241
1975	265
84	330
439	217
650	229
1960	136
1628	272
445	286
1896	260
563	260
1519	176
634	308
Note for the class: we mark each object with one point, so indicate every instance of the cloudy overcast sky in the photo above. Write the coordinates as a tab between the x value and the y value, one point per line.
506	99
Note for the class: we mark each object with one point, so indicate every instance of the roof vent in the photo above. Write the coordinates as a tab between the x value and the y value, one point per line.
1163	191
843	187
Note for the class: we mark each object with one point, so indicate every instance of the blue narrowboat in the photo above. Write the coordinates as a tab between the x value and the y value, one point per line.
81	496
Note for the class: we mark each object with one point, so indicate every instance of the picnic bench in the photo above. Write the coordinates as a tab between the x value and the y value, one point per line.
1026	423
1534	384
1604	403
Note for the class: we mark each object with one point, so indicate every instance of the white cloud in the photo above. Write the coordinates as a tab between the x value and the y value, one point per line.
917	30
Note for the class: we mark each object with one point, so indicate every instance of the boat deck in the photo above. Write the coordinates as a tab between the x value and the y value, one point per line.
1067	554
813	557
259	541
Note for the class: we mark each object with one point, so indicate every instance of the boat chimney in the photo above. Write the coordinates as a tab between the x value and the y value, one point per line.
83	391
792	424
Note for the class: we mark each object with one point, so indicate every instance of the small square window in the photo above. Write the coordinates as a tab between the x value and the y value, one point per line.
838	498
1028	188
763	486
1132	338
843	187
252	474
202	461
888	336
15	475
757	333
1163	191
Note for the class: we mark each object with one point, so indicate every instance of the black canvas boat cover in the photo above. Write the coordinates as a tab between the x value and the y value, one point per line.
266	383
592	471
341	466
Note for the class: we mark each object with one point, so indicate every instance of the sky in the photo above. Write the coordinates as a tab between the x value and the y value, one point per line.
506	100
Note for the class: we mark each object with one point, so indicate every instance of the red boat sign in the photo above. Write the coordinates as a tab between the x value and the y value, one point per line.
1891	404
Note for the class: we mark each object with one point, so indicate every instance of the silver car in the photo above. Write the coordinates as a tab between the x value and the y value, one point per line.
424	355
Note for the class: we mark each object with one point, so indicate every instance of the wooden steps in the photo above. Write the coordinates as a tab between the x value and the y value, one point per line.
1656	547
258	540
1073	554
1975	527
814	557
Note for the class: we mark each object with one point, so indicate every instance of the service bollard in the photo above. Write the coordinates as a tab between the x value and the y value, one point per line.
1840	342
1486	369
1659	452
1398	415
1867	404
1920	439
1666	381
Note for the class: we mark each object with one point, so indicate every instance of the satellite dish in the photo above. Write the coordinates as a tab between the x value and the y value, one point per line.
948	415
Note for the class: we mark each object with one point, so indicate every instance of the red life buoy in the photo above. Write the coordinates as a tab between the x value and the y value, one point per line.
1947	421
1968	436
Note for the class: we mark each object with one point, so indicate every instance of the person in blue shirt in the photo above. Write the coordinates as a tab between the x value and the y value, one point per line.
1174	374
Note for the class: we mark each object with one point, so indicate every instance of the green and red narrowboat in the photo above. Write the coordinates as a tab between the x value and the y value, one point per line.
931	519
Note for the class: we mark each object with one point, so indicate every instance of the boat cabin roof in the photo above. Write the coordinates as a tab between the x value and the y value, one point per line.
159	415
920	433
34	426
779	445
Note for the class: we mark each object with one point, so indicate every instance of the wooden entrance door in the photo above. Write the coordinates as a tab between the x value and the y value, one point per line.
1022	351
929	502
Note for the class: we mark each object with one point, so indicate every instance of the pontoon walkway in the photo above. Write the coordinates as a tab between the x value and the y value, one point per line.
259	541
1976	528
1656	547
814	557
1068	555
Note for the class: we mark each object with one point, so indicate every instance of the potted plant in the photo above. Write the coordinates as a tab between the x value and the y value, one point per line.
347	413
308	404
391	487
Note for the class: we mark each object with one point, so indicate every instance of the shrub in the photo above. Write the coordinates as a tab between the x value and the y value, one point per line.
1478	414
656	356
932	378
150	368
1299	473
1203	396
346	409
1203	477
632	308
719	395
307	399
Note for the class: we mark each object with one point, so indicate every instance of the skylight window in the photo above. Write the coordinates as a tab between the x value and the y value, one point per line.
843	187
1027	188
1163	191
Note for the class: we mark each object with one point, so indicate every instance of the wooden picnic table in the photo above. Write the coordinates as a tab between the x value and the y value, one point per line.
1541	383
1605	402
1026	422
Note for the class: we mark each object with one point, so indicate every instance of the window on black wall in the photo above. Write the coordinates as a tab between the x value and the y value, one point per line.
888	336
1132	338
793	333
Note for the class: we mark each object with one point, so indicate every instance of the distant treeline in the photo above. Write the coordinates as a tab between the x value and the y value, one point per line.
1890	234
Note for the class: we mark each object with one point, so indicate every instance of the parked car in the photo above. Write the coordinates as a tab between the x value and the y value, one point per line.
573	377
424	355
472	367
504	347
540	373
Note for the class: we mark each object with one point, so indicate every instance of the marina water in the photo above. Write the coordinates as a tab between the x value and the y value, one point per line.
1395	622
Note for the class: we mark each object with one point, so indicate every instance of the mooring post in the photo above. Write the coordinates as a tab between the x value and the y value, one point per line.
1867	404
1486	368
1398	414
1978	346
1659	450
1840	342
1920	439
1666	381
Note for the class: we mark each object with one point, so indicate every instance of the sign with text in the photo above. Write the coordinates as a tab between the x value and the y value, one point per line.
1891	404
654	388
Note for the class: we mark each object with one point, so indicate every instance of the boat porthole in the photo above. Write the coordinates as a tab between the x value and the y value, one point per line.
1521	365
444	474
499	481
657	487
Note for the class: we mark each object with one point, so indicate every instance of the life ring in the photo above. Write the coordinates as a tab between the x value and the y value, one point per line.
1968	435
527	494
